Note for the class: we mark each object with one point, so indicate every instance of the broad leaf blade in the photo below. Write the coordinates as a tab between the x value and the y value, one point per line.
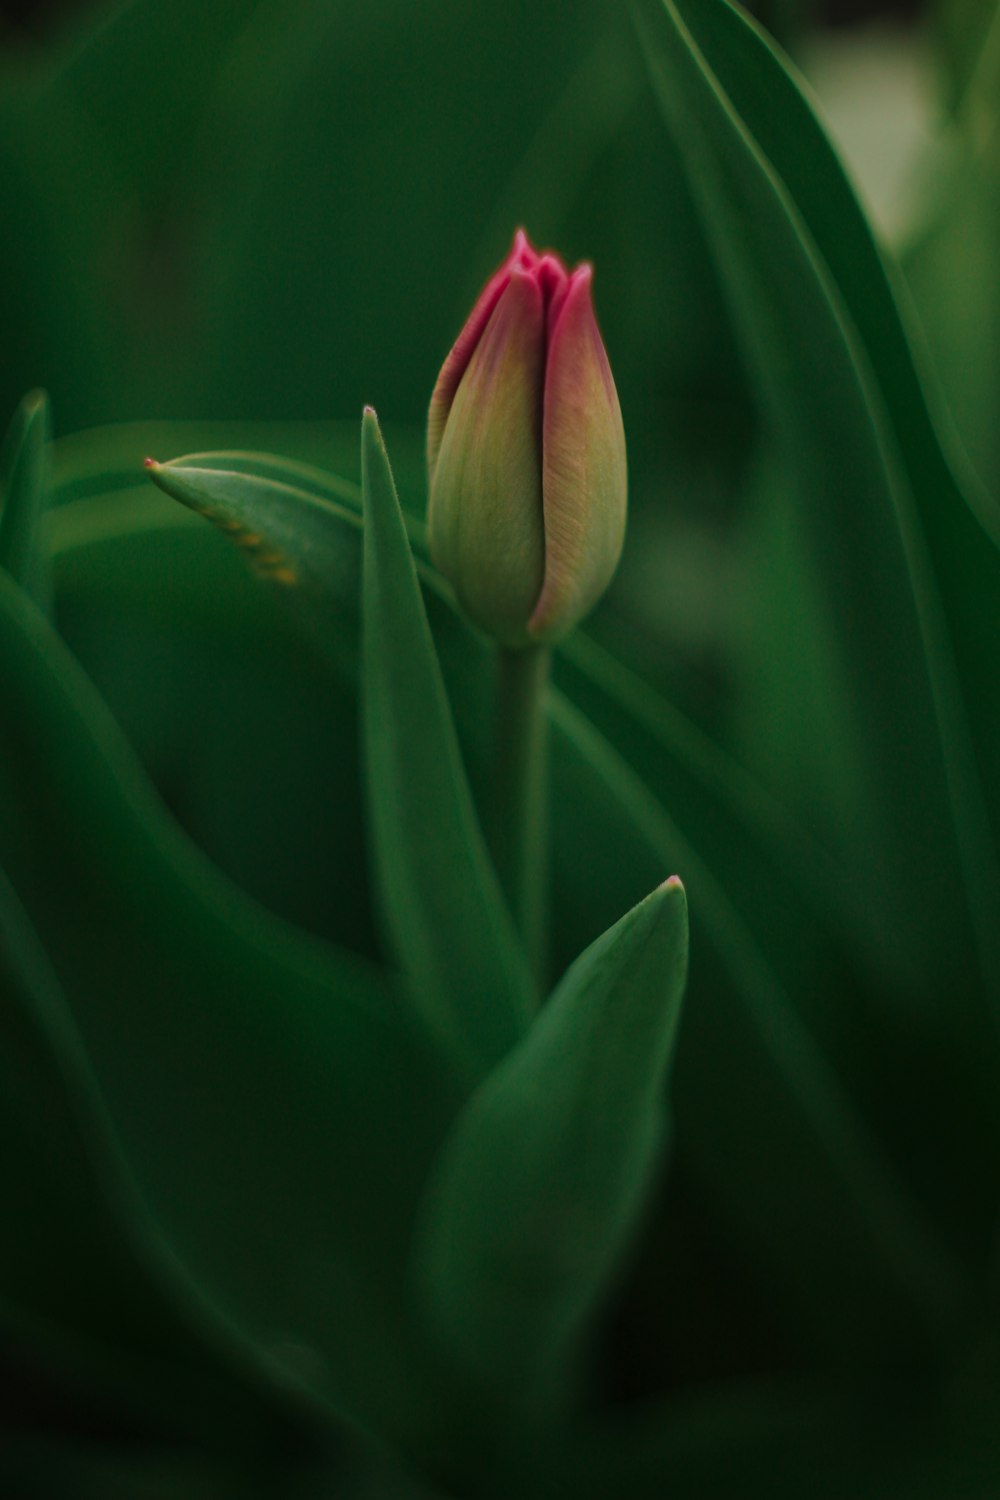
254	1090
441	898
24	495
539	1186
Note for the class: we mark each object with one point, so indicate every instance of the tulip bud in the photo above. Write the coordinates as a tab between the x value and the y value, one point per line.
526	453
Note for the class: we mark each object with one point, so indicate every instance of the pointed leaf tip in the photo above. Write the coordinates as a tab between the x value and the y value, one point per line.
566	1135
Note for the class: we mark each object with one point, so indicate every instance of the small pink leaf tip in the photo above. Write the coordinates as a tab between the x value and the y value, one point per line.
149	463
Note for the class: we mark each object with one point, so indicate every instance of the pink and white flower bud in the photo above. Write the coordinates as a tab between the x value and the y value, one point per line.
526	453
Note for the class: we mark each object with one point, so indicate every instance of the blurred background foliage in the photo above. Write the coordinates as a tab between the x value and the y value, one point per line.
233	224
254	211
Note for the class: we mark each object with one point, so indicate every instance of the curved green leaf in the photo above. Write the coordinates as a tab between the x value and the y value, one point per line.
292	535
86	1275
298	526
821	331
99	460
441	897
961	520
737	992
540	1184
307	542
722	802
250	1075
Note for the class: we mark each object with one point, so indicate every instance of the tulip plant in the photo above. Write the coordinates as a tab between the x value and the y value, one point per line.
366	1131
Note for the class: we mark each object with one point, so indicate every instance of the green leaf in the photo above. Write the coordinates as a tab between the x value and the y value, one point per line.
24	496
811	300
131	1324
298	526
99	460
250	1074
960	519
296	536
441	898
762	1116
539	1186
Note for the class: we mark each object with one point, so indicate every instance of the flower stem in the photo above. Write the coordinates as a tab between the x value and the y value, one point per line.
521	813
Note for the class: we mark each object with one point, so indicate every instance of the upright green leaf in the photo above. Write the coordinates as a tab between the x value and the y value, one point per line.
762	1116
540	1183
441	898
24	496
961	520
822	344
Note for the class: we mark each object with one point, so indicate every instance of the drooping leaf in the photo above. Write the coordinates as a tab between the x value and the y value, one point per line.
295	537
441	898
297	525
101	460
540	1183
24	496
